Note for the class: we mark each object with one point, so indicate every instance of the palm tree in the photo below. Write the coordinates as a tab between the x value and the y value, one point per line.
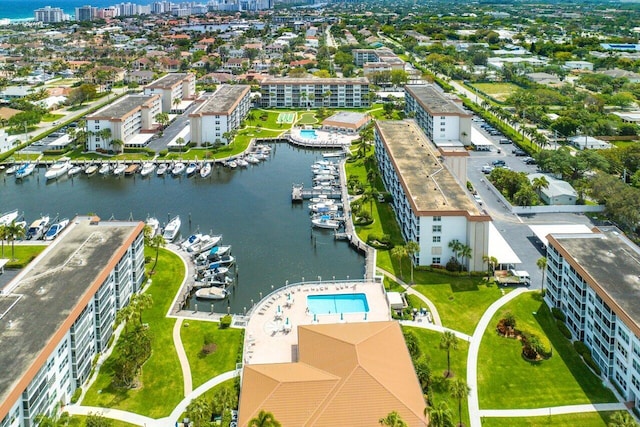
199	411
117	144
459	390
399	252
157	242
412	248
491	263
465	254
105	134
140	302
393	419
622	419
448	342
440	416
176	102
541	263
539	183
369	195
264	419
455	247
14	232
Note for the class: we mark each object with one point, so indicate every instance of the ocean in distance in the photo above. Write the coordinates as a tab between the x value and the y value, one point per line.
21	9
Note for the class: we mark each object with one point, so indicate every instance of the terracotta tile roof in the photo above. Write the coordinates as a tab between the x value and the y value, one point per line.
347	374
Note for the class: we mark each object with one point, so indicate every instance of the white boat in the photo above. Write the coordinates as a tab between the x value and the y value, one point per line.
26	170
322	198
192	168
242	162
8	217
91	169
12	169
105	169
178	168
215	272
37	228
325	207
162	169
252	159
213	293
224	260
205	171
215	252
331	154
190	241
153	224
74	170
119	169
56	229
260	155
232	164
147	168
171	230
324	177
59	168
211	282
325	221
205	244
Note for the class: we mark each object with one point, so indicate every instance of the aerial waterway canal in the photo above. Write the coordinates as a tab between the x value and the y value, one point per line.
271	238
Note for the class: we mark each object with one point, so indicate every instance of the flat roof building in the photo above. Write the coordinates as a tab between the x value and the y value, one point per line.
172	88
440	116
285	92
346	122
341	378
124	119
594	278
432	206
58	313
220	114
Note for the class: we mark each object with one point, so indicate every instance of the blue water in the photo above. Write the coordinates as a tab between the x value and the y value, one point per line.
338	303
20	9
308	134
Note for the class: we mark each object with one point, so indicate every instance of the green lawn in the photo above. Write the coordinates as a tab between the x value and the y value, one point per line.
460	300
228	347
271	122
50	117
506	381
307	119
161	385
24	254
592	419
499	91
625	144
429	342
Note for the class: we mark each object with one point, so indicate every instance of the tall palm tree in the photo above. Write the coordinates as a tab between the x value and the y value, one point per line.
465	254
264	419
412	248
459	390
455	245
399	252
491	263
14	232
448	342
393	419
140	302
440	415
622	419
157	242
541	263
539	183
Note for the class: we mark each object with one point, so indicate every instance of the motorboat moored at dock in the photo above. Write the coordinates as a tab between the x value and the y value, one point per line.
172	229
37	228
56	229
59	168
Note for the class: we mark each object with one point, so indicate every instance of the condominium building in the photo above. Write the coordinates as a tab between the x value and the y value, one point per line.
594	279
432	206
49	14
440	116
86	13
220	114
58	313
125	119
173	89
315	92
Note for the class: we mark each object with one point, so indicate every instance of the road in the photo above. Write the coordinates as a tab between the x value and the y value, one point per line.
159	143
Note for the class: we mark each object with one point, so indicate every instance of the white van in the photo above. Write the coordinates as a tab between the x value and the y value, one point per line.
522	275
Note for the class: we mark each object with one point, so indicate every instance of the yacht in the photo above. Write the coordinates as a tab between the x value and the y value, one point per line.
148	169
172	229
154	225
59	168
56	229
178	168
38	227
205	171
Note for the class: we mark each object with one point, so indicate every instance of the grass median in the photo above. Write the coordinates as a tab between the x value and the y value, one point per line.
592	419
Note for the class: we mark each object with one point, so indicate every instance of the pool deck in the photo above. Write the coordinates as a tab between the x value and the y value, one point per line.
268	340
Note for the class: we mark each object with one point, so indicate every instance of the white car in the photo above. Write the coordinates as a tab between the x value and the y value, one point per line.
487	169
477	198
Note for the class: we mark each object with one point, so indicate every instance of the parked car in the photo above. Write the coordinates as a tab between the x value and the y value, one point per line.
498	162
504	141
487	169
477	198
519	153
529	160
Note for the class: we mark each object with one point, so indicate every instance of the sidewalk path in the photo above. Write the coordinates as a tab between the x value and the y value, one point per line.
114	414
182	355
432	308
556	410
437	328
474	348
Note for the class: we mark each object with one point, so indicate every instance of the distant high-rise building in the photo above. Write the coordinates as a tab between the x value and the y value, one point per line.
86	13
49	14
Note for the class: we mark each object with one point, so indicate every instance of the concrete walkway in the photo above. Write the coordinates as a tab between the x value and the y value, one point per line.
555	410
114	414
432	307
182	356
437	328
474	349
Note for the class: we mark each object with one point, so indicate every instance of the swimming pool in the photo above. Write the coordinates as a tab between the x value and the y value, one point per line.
338	303
308	133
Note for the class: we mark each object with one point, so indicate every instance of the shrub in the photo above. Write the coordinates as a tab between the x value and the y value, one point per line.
163	153
76	395
558	314
225	322
590	363
581	348
563	329
453	265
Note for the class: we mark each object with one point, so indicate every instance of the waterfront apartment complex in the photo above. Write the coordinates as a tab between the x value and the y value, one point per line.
440	116
431	205
281	92
58	313
49	14
220	114
594	279
173	89
125	119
